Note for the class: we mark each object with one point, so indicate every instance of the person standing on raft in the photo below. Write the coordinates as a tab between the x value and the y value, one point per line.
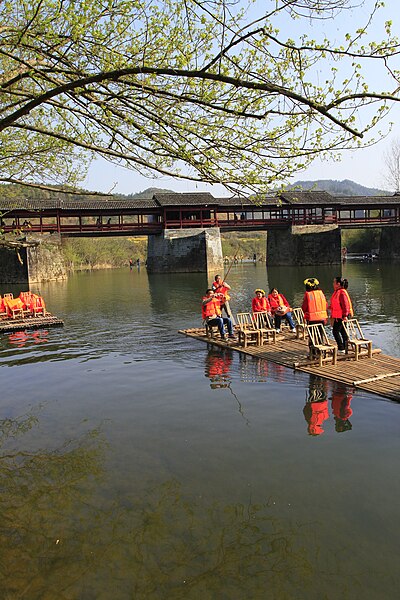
340	308
212	315
314	304
222	288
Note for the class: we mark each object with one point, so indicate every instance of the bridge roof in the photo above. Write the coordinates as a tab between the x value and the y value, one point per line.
108	203
185	199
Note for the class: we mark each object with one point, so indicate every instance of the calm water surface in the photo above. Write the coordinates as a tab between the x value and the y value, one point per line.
140	464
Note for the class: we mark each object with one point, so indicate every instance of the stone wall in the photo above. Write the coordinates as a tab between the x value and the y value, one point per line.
38	258
389	248
185	251
13	265
306	245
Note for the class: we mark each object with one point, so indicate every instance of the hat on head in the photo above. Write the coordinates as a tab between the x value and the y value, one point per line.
311	281
259	290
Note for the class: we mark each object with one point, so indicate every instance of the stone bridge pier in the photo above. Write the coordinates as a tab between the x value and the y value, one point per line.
304	245
389	248
185	251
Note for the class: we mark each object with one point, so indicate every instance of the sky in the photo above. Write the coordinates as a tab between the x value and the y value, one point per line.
365	166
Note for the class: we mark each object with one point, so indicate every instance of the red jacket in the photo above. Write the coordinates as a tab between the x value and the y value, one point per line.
276	301
339	304
315	306
260	304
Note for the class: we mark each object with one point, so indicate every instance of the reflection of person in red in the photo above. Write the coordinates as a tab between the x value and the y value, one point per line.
341	400
218	365
316	409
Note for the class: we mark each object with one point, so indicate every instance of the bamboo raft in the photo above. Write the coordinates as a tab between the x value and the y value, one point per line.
379	374
39	322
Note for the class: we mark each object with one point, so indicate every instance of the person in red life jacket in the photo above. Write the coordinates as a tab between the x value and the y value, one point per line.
314	303
212	315
280	309
260	302
222	288
340	308
341	400
316	409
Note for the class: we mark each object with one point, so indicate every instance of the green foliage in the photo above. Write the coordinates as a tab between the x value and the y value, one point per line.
361	240
244	245
88	253
208	91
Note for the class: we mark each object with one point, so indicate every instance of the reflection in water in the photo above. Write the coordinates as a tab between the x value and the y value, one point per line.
316	410
218	365
341	400
47	511
258	370
217	369
20	338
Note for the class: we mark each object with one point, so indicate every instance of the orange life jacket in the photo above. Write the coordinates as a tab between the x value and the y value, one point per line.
220	289
211	308
314	306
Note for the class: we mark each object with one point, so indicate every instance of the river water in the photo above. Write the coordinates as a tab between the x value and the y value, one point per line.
137	463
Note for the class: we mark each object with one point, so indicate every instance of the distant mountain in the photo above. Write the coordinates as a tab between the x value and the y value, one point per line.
147	193
339	188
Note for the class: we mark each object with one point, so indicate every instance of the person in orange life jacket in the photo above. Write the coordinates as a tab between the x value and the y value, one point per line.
341	400
211	313
222	288
316	409
314	303
280	309
340	308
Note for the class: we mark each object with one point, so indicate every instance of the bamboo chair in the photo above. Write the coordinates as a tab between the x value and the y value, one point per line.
38	306
356	339
263	323
301	325
320	346
211	330
26	298
9	296
248	333
3	308
14	306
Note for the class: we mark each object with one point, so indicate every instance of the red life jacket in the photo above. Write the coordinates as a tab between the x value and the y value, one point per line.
351	311
314	306
260	304
339	304
278	301
211	308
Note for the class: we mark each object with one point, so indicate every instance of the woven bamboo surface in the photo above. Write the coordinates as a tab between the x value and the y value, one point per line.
378	375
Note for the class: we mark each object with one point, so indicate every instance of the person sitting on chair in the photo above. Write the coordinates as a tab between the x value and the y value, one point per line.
280	309
212	315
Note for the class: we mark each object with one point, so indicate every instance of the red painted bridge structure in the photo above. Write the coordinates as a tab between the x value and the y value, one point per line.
110	216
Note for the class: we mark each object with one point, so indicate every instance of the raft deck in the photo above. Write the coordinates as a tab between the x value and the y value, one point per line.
377	375
42	322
